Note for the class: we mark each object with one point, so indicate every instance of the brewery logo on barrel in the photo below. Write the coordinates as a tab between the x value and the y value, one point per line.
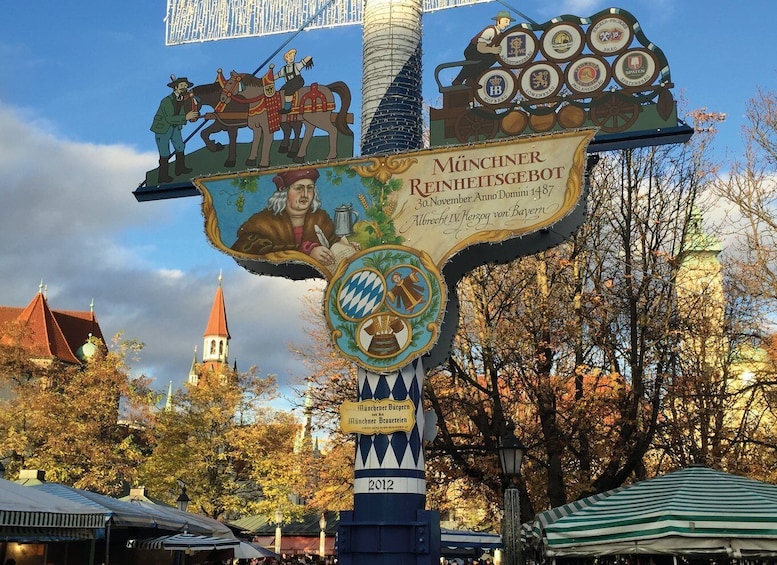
635	68
587	74
518	47
609	35
540	80
496	86
562	41
383	307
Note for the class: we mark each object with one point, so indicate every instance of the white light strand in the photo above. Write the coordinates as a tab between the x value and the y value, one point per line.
391	84
191	21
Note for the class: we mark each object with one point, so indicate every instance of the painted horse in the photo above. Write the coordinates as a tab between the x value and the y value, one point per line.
231	117
312	106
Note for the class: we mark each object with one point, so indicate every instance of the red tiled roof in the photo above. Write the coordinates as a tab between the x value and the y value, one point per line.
52	333
217	321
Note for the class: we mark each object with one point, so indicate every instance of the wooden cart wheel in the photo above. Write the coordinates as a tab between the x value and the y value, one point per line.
614	113
475	126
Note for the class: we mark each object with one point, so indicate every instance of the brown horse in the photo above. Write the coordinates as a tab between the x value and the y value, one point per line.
314	106
233	117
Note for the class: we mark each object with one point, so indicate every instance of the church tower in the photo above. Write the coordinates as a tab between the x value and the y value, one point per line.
215	339
700	278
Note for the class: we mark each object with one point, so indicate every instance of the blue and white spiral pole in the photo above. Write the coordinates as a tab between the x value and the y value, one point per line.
391	77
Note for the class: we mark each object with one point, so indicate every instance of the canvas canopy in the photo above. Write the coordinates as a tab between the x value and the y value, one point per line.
188	542
694	511
532	533
192	523
465	539
122	514
128	514
28	515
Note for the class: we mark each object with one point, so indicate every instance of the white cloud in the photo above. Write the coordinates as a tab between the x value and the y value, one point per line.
68	217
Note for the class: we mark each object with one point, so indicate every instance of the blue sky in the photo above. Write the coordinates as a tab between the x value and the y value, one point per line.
82	80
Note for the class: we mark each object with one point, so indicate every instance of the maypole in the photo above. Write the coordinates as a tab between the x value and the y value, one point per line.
389	523
391	77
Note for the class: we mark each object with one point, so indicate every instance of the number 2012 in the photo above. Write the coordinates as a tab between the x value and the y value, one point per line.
381	484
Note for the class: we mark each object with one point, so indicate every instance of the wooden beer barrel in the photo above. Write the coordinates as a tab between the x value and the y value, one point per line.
570	117
543	120
514	122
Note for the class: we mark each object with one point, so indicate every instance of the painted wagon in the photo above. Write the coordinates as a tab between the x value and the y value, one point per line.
568	73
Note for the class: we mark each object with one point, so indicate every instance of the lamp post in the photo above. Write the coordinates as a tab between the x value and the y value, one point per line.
510	458
183	500
322	535
278	521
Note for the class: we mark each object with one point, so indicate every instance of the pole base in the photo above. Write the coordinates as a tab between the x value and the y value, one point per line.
385	543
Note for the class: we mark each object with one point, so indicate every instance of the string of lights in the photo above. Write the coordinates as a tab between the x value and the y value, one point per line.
193	21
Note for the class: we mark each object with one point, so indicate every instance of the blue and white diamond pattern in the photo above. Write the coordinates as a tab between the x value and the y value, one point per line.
361	294
400	452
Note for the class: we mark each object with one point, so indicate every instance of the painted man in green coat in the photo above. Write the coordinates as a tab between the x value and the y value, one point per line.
174	111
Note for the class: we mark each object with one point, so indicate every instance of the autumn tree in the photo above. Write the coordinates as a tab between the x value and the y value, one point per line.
751	187
575	344
330	380
84	425
590	349
232	452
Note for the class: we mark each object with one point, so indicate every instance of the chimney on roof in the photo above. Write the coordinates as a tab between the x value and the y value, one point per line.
137	493
35	474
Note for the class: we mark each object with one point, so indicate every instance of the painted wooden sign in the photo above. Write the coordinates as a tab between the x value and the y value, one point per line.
570	72
381	229
242	101
377	416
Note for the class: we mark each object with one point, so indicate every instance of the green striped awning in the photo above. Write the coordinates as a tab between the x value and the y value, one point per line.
534	532
21	534
696	510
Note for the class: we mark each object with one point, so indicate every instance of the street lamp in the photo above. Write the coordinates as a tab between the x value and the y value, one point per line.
510	458
278	521
183	500
322	535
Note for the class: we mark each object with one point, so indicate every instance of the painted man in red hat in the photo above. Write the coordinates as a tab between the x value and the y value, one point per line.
292	221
